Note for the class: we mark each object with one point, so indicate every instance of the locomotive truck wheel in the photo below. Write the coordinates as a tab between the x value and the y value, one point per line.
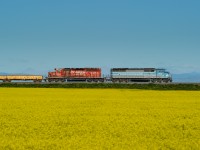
88	80
37	81
102	80
125	81
7	81
114	80
167	81
153	80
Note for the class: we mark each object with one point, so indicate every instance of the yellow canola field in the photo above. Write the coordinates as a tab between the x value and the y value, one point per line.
99	119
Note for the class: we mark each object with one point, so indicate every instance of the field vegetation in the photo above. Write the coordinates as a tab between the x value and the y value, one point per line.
147	86
49	118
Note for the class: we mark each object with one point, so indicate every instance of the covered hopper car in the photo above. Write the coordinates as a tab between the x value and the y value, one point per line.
10	78
75	74
140	75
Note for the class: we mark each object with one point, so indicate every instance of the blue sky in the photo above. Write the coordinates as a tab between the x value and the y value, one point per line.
38	35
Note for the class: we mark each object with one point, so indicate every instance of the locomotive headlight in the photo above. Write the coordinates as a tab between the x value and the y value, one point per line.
167	74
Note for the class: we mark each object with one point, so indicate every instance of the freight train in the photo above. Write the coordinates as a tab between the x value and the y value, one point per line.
125	75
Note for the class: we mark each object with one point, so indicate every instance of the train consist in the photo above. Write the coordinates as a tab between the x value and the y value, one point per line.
125	75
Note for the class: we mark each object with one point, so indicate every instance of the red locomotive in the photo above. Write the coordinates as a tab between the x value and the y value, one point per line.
75	74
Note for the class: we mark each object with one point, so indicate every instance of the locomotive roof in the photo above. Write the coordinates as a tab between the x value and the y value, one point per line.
75	68
133	68
137	69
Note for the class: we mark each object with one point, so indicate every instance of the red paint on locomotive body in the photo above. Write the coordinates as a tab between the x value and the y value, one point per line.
76	73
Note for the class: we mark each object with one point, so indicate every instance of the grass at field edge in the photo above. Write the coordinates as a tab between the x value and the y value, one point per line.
187	87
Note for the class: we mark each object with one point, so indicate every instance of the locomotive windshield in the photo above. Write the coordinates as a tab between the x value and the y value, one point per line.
161	70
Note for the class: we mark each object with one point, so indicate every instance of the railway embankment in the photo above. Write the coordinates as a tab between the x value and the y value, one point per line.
145	86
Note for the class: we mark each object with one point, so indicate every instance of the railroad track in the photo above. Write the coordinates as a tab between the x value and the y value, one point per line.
44	83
